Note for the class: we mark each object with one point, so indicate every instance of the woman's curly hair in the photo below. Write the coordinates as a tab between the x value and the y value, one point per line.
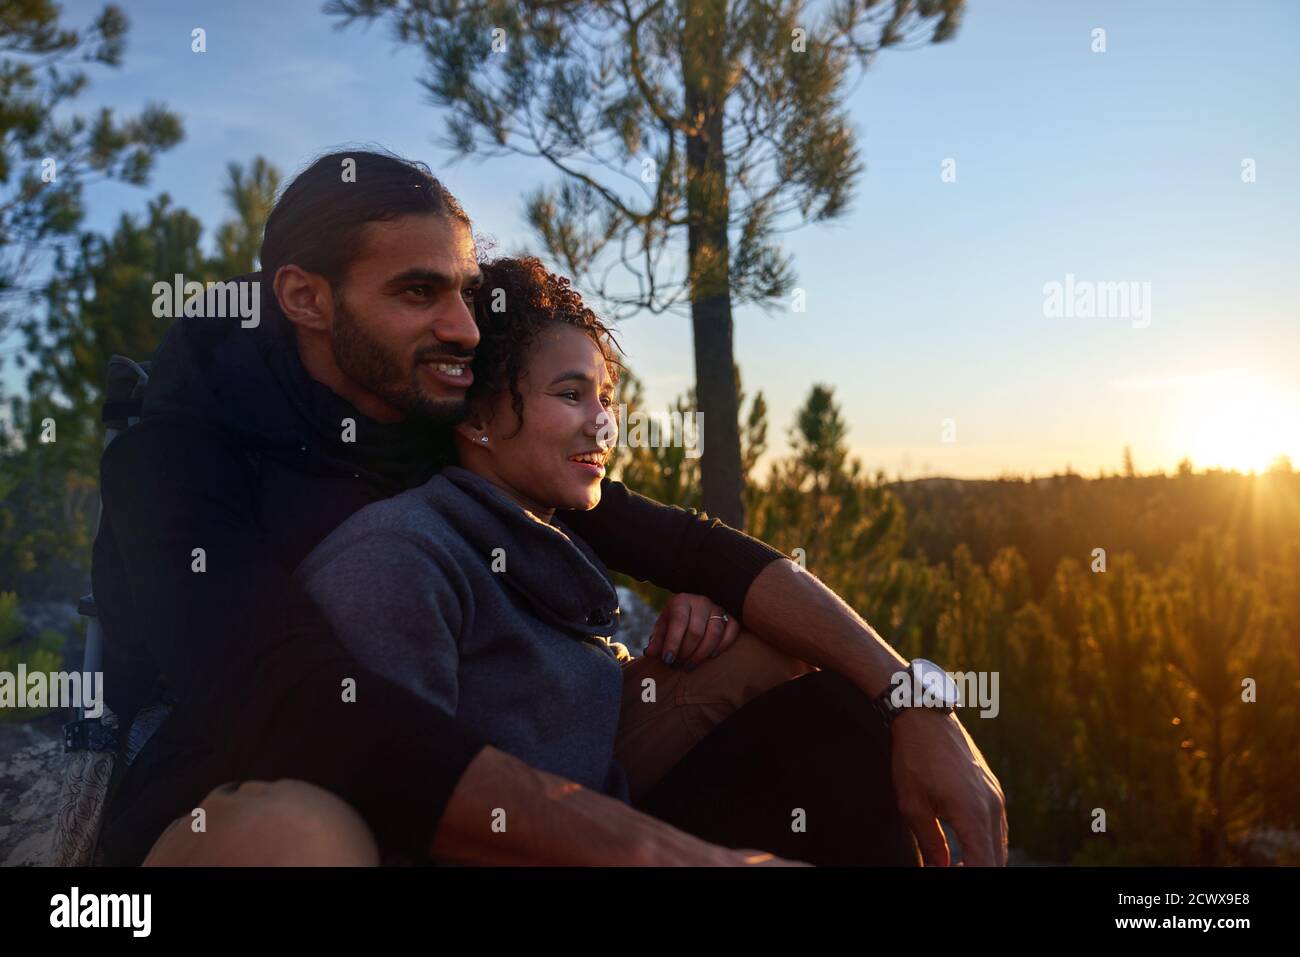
530	298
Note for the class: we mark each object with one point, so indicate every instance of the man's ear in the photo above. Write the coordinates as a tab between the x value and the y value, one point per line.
305	298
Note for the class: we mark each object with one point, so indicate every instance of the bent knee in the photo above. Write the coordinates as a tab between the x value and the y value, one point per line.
752	666
261	823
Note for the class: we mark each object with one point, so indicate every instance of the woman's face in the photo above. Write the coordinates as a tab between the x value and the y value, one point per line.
557	459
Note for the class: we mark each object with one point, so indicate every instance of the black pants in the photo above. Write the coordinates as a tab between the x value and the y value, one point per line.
814	744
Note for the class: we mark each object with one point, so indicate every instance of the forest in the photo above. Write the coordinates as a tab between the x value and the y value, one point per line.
1145	629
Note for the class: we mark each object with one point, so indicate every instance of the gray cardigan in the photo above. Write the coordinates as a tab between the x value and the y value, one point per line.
457	593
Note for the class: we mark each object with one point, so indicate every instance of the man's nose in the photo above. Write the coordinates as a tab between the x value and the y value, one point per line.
455	325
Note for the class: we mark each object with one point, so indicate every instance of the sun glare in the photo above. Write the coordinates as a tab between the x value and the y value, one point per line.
1240	422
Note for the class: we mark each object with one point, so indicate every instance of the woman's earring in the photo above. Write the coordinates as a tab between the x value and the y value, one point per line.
483	439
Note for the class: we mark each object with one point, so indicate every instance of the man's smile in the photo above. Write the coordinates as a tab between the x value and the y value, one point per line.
453	373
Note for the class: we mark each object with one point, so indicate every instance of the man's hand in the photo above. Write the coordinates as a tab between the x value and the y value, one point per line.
939	772
692	629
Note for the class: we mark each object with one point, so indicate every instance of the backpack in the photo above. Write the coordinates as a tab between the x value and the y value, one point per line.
97	749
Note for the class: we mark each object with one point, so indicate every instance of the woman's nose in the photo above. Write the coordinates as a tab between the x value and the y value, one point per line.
604	427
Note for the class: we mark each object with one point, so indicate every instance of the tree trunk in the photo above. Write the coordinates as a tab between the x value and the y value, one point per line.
708	207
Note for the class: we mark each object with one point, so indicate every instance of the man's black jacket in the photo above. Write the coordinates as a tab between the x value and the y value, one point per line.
236	470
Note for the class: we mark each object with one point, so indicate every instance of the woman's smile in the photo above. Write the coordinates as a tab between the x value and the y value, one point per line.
591	463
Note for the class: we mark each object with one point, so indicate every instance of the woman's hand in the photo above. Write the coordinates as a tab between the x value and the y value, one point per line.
692	629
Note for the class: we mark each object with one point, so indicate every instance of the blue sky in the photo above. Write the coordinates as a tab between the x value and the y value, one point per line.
925	302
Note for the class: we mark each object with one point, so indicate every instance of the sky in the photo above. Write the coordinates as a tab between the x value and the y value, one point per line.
1007	160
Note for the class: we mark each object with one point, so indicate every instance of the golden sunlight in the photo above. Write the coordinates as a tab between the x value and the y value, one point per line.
1240	422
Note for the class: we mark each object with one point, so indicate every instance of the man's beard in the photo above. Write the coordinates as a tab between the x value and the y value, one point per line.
365	361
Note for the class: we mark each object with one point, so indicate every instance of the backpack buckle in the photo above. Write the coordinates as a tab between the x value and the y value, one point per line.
89	734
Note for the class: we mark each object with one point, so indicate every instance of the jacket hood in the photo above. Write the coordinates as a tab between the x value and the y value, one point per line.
251	382
553	569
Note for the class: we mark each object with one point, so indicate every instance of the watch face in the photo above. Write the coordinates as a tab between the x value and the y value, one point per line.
932	686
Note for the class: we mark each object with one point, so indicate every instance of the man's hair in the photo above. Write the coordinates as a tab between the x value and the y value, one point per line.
317	220
534	298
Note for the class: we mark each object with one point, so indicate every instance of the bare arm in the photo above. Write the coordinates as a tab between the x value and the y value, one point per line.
790	609
938	770
550	820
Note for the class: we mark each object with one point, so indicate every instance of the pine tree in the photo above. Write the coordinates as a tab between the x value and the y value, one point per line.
48	157
727	120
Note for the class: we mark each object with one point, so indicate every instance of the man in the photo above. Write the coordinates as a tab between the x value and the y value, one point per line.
256	442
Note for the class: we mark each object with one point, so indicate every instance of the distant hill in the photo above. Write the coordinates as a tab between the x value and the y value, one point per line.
1067	516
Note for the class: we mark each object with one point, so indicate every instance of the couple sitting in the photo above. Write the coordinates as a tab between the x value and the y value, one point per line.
399	648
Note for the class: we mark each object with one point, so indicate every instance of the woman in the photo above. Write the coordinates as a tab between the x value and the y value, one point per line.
472	593
468	589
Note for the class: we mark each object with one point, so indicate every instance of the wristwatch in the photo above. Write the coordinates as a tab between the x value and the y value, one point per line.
923	685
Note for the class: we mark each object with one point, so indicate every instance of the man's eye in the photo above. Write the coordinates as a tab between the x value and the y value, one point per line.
421	291
469	293
606	401
571	394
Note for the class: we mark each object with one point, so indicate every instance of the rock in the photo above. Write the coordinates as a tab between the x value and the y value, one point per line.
637	621
31	779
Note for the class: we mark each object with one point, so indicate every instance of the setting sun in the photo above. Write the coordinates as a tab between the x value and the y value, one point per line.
1239	422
